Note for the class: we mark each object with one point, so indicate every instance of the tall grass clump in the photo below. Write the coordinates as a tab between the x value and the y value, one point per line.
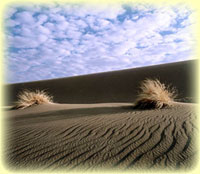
154	95
28	98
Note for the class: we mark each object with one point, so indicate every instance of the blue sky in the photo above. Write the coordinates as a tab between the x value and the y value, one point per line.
62	40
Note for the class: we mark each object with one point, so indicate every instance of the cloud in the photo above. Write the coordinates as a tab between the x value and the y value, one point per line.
25	17
55	41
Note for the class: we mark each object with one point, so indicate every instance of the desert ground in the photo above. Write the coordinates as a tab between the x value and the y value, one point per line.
92	123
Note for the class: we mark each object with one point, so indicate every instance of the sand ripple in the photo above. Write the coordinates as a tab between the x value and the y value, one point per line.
115	136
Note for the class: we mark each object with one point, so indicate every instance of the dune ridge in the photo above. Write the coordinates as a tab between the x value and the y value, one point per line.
117	86
97	127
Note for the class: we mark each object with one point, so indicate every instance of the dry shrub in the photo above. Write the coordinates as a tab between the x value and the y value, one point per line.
29	98
154	95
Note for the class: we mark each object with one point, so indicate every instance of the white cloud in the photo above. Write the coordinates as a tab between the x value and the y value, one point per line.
62	25
109	11
12	23
41	19
25	17
9	12
50	26
59	41
42	30
26	32
42	38
57	17
21	42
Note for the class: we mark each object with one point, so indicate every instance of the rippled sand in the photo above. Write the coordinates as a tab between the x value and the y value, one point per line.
96	127
101	136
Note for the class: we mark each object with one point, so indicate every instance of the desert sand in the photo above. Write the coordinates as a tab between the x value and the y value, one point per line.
93	125
117	86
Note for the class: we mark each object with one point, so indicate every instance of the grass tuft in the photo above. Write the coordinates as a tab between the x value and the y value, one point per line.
28	98
154	95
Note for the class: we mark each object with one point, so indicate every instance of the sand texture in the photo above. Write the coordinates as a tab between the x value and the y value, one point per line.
116	86
93	125
101	136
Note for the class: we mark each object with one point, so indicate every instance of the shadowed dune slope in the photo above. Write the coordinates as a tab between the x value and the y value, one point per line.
109	133
116	86
112	135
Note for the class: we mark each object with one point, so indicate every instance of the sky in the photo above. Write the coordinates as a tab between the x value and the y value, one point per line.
63	40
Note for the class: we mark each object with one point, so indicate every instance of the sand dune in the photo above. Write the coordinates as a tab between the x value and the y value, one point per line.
98	128
101	135
116	86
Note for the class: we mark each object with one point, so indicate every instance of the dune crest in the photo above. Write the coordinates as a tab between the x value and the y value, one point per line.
97	126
